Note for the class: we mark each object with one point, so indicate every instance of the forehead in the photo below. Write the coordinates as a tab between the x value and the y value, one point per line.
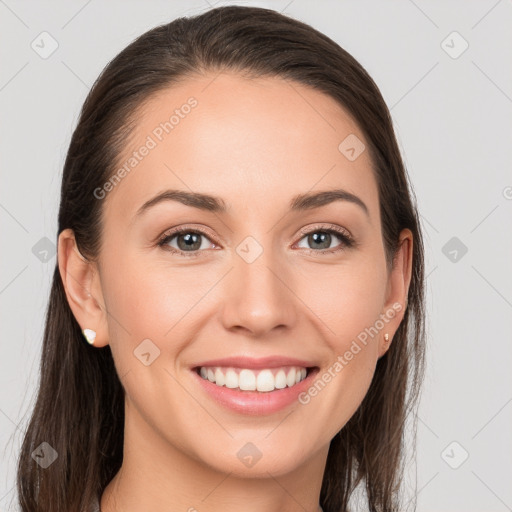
251	141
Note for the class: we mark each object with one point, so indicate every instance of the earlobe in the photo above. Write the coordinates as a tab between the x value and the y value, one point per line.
89	335
80	280
384	345
398	288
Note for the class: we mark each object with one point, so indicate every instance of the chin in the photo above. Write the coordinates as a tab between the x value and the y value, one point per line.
249	461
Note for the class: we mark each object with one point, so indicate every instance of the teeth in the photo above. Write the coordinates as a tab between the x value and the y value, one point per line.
280	379
231	379
254	380
265	381
247	380
290	379
220	380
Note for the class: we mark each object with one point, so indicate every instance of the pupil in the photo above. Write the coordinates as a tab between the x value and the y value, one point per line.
189	240
324	237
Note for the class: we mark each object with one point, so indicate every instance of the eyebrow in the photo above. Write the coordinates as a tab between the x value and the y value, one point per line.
301	202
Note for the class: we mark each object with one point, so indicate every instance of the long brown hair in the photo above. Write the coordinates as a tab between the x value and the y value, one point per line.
79	409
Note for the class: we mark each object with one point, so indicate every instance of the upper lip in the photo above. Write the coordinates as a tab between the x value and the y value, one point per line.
257	363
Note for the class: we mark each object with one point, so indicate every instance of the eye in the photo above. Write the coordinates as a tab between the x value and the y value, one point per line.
321	238
188	241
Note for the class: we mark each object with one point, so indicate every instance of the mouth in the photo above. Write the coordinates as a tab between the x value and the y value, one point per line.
254	386
263	380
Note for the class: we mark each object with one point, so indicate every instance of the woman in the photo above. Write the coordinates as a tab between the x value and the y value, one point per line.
236	319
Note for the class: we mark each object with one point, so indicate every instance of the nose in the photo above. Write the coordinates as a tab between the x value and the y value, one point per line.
258	296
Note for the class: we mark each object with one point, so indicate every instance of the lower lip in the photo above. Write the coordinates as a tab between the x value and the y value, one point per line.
256	402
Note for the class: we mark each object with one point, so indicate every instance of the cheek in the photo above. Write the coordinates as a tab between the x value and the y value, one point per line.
154	301
138	304
346	298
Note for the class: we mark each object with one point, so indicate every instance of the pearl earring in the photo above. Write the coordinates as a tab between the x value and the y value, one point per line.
89	335
386	337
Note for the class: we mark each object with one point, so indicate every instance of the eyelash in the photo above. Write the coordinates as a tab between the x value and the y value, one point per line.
346	240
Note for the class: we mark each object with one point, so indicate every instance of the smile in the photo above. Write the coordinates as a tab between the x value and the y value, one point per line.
262	380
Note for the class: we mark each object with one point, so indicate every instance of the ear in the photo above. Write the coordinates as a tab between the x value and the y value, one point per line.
397	289
83	288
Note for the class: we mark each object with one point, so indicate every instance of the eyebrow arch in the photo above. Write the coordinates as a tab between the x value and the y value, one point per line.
313	200
301	202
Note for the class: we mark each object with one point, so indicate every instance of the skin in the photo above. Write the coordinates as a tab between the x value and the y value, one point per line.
256	149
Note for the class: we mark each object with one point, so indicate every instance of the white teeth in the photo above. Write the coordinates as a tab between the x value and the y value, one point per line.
247	380
231	379
280	379
220	380
252	380
265	381
290	379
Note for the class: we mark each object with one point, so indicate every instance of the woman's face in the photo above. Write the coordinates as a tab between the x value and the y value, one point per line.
264	278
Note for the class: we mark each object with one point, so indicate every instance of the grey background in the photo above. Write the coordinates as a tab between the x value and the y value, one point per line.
452	117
